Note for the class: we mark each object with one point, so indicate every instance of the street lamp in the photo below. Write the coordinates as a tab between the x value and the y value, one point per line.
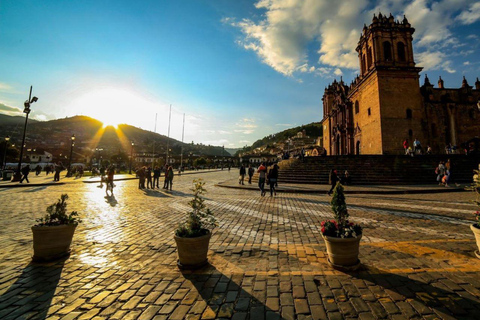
18	175
4	162
131	157
69	173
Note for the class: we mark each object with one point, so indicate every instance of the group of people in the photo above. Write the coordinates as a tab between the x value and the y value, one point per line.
444	173
152	177
243	173
265	176
333	178
417	148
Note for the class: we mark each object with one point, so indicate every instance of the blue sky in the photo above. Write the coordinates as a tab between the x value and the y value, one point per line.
238	69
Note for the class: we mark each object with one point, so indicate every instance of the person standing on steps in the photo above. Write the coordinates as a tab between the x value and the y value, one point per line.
332	180
241	179
251	171
262	175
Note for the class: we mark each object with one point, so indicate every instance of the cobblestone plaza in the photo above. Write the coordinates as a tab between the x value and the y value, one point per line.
267	257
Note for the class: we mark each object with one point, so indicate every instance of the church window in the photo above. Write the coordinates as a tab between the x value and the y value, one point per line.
410	133
369	57
364	68
401	51
409	113
387	51
357	107
369	112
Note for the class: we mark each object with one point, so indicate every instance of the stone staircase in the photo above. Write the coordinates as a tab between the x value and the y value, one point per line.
373	169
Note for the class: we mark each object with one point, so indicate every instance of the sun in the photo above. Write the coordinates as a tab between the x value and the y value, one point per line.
113	105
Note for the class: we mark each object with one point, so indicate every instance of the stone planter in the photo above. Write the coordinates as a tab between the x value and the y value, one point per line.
52	242
192	252
476	232
343	252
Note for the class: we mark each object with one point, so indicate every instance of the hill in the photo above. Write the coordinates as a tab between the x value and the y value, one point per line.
54	136
313	130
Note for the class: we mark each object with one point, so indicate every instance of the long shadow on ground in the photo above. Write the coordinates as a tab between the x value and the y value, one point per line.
227	298
428	295
32	293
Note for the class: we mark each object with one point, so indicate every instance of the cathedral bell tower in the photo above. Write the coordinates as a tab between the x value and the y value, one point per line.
386	94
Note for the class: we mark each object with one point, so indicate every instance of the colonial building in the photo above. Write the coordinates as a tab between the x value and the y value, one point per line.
385	104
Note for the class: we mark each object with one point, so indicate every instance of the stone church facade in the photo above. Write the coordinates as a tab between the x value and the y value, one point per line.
385	104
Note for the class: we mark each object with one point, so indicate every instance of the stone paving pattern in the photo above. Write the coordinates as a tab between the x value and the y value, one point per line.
267	257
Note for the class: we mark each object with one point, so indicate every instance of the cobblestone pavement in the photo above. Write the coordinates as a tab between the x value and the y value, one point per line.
267	257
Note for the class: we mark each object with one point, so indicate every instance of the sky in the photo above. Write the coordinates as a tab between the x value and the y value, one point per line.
239	70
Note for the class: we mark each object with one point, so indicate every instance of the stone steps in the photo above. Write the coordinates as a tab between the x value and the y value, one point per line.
366	170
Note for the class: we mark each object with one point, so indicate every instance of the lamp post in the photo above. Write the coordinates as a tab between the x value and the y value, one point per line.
4	162
69	173
18	175
131	158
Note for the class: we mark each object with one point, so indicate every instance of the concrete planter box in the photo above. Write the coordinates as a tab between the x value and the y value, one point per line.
343	252
476	232
52	242
192	252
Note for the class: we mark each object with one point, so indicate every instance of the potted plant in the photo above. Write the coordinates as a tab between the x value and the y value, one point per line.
342	238
476	226
193	235
52	235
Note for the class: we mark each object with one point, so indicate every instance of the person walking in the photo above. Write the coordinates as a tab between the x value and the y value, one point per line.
110	177
273	179
262	175
58	169
25	172
242	175
156	177
148	174
332	179
448	172
440	171
417	147
251	171
170	177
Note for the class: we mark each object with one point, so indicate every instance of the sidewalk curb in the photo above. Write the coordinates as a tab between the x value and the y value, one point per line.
22	185
412	191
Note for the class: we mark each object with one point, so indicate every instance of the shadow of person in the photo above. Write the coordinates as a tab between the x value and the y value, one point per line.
154	193
110	199
427	294
226	298
32	292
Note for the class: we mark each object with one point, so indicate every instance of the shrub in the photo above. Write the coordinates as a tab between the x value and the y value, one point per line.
200	220
340	227
57	214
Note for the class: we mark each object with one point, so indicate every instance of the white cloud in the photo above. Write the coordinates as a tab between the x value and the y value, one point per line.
466	63
8	110
287	29
4	87
471	15
434	61
245	126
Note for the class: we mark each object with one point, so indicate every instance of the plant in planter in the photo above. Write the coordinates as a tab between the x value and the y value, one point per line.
342	238
476	226
52	235
193	236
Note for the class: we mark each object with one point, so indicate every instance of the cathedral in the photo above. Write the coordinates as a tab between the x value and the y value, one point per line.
385	104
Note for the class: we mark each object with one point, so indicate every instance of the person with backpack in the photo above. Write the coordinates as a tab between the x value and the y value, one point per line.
262	176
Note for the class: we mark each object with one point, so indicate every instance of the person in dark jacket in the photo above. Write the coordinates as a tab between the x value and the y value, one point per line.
272	179
242	175
251	171
156	177
25	172
332	179
148	174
